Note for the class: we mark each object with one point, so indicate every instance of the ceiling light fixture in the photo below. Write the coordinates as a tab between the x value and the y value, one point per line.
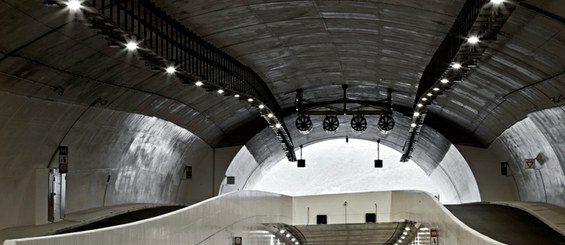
198	83
444	80
220	91
473	39
413	125
416	114
236	95
424	99
270	115
420	105
250	100
496	2
171	70
456	66
261	107
278	125
131	46
74	5
436	89
429	94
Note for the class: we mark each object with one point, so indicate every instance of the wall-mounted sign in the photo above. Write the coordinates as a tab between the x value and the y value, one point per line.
188	172
231	180
237	241
63	159
530	163
434	237
504	168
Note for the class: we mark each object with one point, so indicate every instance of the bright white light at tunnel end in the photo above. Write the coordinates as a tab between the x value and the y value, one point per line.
335	166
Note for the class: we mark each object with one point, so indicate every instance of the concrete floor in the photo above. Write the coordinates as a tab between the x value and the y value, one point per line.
506	224
71	221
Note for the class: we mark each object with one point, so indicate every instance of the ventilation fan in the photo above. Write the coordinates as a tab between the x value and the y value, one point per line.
303	124
386	123
331	124
359	123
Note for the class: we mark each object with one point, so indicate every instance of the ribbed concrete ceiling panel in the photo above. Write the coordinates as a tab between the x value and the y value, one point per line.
302	44
48	55
521	72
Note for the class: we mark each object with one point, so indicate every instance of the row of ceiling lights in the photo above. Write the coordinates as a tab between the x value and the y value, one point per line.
131	45
444	82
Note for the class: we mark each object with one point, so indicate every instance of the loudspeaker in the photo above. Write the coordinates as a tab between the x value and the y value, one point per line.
321	219
370	218
378	163
504	168
301	163
231	180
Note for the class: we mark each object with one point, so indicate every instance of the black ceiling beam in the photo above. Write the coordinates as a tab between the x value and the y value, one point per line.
479	18
164	41
449	46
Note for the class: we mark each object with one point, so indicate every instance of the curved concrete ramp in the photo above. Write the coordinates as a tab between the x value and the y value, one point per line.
506	224
124	218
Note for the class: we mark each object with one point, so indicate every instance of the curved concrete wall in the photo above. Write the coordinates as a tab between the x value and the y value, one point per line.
145	157
214	221
451	173
240	214
540	136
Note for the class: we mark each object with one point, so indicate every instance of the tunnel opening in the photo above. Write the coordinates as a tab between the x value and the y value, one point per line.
339	166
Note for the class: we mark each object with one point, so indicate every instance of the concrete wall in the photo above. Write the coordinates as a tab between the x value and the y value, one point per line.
492	184
218	220
305	208
214	221
454	176
144	157
540	136
423	208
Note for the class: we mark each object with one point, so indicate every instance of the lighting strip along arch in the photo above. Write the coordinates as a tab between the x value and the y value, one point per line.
488	22
175	49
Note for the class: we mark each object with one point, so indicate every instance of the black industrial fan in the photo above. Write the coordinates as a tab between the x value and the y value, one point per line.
331	123
386	123
359	123
303	124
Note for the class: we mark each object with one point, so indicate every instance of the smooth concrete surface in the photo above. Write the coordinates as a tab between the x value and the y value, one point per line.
454	175
551	215
534	138
423	208
217	220
214	221
342	208
493	186
70	221
114	157
506	224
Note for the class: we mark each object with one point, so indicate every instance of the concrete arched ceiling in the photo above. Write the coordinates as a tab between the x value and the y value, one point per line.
46	56
304	44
